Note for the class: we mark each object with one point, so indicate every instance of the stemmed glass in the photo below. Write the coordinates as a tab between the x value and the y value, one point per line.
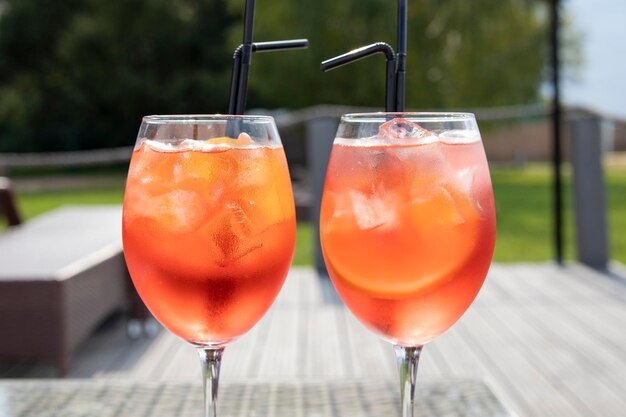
407	226
208	228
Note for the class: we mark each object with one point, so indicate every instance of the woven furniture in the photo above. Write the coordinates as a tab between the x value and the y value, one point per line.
349	398
8	207
61	274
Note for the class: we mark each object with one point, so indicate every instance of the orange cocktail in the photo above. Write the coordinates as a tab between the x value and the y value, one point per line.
408	228
209	233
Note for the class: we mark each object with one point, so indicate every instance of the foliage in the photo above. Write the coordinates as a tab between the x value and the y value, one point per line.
460	53
79	74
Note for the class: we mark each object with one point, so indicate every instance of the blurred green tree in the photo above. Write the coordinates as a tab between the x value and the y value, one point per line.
460	53
80	74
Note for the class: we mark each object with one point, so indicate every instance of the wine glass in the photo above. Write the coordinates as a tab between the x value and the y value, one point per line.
208	227
407	226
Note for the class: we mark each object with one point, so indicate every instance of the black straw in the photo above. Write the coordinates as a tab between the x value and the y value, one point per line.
279	45
235	83
246	56
401	61
396	64
242	58
360	53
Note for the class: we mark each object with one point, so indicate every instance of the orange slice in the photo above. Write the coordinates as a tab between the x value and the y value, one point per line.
431	242
242	140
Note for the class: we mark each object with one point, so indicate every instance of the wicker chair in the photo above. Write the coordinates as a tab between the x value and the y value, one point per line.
8	207
61	275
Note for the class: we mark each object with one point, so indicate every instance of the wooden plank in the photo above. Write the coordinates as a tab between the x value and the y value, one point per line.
453	355
182	364
242	358
605	368
514	366
492	292
465	359
99	351
148	362
133	351
546	339
323	357
280	356
560	365
561	284
311	295
369	355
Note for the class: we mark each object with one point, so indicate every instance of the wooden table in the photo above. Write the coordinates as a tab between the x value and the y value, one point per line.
351	398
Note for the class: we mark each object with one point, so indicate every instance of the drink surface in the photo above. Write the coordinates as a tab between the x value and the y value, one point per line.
407	233
209	234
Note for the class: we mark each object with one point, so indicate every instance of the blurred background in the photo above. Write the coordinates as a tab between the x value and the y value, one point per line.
79	75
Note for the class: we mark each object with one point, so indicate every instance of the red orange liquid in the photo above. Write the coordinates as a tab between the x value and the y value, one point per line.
208	236
408	233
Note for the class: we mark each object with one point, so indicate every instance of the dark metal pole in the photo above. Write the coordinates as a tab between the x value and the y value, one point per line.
556	131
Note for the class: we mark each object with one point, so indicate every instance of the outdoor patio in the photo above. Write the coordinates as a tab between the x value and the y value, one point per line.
547	340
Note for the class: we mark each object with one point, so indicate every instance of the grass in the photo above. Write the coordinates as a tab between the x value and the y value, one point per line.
524	214
616	181
32	204
523	200
523	205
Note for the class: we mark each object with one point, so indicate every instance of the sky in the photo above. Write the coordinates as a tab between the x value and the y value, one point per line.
601	81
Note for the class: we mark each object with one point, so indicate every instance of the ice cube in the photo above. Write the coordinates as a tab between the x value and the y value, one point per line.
374	211
425	168
464	180
462	188
161	146
364	170
240	222
452	203
215	168
150	168
175	211
190	145
403	131
257	167
450	213
233	234
459	136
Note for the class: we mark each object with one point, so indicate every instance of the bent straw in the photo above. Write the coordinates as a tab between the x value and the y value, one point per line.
246	56
363	52
280	45
243	57
395	78
234	105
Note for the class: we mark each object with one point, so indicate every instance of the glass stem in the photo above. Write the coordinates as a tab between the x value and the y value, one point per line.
408	359
210	359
